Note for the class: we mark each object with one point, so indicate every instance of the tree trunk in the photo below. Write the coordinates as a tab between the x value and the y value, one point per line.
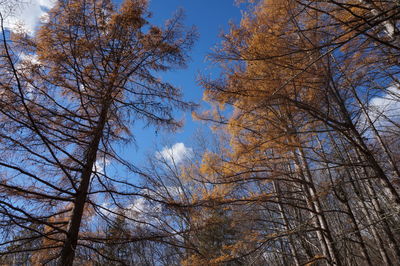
286	224
70	243
317	207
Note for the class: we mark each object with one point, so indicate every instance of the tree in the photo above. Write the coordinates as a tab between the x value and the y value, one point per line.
301	122
304	170
300	179
68	94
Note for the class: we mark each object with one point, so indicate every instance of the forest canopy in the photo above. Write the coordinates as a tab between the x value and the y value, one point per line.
300	165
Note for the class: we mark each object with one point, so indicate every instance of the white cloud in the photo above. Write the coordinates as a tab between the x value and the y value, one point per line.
385	109
175	154
25	15
137	210
30	58
26	61
100	165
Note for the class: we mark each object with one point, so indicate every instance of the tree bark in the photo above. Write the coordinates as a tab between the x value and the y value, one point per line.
70	243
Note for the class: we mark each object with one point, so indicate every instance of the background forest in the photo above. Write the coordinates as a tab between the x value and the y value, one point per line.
299	164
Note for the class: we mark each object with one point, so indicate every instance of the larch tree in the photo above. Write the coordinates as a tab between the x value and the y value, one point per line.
300	77
306	167
68	94
200	217
308	175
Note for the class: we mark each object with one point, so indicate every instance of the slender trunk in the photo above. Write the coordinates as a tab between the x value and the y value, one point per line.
364	250
323	232
343	197
375	234
302	236
286	224
68	250
378	137
356	187
354	137
381	215
319	213
355	177
315	219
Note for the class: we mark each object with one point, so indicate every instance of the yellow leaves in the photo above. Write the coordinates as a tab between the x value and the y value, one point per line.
220	260
188	172
130	15
196	260
257	91
208	163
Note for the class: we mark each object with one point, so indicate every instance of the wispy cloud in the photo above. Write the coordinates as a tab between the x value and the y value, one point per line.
100	165
386	109
25	15
175	154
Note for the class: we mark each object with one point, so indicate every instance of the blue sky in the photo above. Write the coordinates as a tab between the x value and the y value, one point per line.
210	17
